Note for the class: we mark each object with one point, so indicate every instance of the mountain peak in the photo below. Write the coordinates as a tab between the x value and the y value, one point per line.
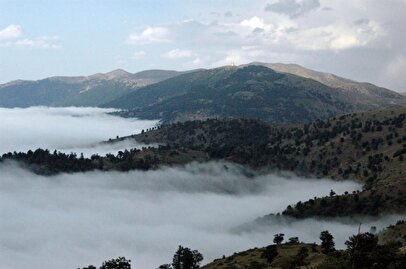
117	73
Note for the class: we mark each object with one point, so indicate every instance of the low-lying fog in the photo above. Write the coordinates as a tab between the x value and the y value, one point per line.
67	221
69	129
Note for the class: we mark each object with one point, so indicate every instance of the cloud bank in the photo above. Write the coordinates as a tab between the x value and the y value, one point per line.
66	129
67	221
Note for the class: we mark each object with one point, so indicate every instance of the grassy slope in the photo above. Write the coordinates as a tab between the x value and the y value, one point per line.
395	232
252	257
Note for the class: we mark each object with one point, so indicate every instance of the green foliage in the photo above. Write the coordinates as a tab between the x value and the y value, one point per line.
327	242
185	258
293	240
119	263
278	238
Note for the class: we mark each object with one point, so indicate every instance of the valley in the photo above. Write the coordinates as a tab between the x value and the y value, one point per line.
282	152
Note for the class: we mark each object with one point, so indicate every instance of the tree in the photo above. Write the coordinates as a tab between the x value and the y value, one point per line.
293	240
278	238
185	258
360	247
327	242
119	263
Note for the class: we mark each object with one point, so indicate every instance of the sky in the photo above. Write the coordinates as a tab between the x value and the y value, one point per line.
358	39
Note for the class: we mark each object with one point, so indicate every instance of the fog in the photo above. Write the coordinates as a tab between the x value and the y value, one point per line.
67	221
73	220
69	129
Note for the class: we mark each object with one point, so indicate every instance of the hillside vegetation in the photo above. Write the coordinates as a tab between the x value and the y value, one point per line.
253	91
369	147
362	252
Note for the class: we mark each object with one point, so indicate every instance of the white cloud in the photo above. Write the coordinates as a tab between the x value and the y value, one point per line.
179	53
150	35
337	36
255	22
197	61
138	55
10	32
13	37
34	43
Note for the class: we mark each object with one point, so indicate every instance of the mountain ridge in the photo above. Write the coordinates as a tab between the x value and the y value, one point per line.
92	90
269	91
255	91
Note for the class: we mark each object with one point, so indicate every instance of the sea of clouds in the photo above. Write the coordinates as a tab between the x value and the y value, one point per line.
66	129
72	220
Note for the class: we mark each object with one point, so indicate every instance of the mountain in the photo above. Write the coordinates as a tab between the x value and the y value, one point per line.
91	90
253	91
366	92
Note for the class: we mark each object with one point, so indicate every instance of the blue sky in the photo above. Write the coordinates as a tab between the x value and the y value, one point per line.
359	39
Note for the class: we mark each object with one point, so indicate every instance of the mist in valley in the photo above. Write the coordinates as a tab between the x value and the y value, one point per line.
66	129
71	220
67	221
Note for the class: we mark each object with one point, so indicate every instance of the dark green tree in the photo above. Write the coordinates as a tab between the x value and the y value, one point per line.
278	238
361	248
327	242
119	263
185	258
293	240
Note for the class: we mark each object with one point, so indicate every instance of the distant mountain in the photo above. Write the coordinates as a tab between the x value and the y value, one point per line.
285	93
252	91
91	90
364	92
